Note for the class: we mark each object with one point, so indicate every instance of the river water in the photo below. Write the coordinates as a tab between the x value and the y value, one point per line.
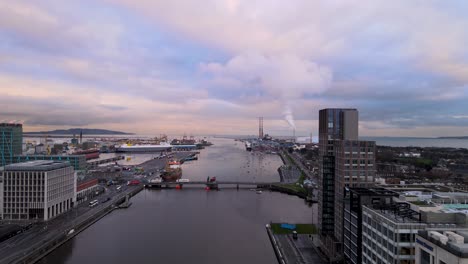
193	225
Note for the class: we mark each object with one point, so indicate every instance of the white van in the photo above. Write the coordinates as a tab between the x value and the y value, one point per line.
183	180
93	203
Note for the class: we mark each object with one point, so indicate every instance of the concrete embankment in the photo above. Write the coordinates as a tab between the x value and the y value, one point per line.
46	246
275	244
281	189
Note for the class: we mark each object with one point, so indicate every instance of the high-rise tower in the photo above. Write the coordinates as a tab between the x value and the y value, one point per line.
344	161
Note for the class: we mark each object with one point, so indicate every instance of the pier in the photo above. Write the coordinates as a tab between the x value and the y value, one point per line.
95	163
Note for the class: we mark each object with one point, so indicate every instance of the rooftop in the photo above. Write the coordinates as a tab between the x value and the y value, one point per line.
454	241
397	212
10	125
37	165
373	191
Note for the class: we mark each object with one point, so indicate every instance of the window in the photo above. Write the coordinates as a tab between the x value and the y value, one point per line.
425	257
405	237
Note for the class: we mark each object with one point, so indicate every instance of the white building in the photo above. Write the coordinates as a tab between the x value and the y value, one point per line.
40	189
442	247
388	234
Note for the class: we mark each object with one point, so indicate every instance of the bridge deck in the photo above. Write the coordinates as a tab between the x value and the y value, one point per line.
214	183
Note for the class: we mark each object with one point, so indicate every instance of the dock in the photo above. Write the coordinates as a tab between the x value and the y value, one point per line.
95	163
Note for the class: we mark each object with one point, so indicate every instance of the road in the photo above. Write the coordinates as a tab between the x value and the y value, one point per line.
298	160
301	250
21	244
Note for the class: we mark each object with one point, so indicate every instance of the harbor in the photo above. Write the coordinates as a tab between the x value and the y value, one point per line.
225	167
205	209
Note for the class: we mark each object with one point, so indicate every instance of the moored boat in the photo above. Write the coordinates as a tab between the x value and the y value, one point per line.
172	171
89	153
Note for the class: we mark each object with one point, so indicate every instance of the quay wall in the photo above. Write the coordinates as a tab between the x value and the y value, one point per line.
276	247
37	252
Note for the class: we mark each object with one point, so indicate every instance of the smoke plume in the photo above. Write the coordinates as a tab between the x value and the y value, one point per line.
288	116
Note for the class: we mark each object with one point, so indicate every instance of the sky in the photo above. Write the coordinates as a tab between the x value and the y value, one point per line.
214	66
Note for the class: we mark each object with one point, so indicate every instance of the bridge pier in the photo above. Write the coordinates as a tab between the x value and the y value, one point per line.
212	186
237	186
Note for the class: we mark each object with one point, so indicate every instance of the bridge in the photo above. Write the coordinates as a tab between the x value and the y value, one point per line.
211	185
274	186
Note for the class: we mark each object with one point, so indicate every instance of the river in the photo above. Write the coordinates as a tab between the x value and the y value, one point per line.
194	225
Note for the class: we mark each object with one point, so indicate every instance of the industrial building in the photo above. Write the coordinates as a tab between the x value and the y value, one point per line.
37	190
11	142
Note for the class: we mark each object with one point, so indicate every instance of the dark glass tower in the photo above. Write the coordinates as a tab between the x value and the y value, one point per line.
11	142
334	124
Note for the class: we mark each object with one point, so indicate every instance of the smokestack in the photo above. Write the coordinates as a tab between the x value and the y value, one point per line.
81	136
294	135
260	127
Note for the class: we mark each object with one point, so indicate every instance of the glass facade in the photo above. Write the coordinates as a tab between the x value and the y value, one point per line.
11	142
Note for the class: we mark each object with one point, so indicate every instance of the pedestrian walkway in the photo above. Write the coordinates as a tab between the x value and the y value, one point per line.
298	251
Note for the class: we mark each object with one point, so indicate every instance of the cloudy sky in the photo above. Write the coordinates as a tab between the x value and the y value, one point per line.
214	66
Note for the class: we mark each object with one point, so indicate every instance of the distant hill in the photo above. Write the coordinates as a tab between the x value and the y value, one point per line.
462	137
77	131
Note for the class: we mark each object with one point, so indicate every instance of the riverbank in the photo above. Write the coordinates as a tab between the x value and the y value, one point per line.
135	235
292	178
45	246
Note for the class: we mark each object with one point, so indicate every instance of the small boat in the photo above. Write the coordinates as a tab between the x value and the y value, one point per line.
259	192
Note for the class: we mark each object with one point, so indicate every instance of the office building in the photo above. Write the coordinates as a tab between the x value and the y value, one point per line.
442	246
38	190
354	167
344	161
355	198
11	142
332	126
389	233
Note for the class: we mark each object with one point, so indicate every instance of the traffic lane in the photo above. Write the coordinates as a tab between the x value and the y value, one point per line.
52	227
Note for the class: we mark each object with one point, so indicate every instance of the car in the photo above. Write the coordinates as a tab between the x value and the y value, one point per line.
294	233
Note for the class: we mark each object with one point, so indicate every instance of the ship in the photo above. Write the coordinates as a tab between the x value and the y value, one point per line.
172	171
163	146
191	157
205	143
89	153
248	146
